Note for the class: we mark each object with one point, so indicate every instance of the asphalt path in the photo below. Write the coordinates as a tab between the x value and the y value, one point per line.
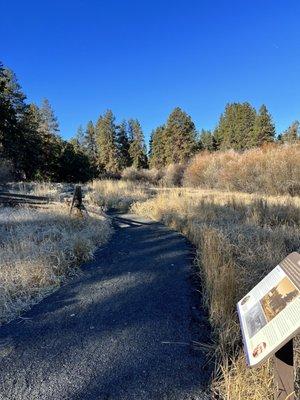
124	329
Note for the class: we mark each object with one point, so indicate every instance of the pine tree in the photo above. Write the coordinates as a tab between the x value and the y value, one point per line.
236	127
79	137
123	146
19	139
49	122
90	146
180	134
207	141
106	143
157	153
32	147
12	108
137	149
264	129
52	143
74	165
291	135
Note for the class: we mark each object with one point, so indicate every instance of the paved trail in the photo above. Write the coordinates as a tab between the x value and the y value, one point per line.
120	331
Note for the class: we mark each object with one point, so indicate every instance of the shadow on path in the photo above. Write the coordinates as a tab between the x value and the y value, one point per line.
121	330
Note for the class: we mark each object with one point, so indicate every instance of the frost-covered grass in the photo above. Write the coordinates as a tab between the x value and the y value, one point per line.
38	248
239	238
116	194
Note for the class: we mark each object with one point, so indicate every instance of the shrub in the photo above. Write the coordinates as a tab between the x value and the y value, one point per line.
172	175
151	176
272	169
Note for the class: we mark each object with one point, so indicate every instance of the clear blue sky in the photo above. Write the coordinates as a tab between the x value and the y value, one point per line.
143	58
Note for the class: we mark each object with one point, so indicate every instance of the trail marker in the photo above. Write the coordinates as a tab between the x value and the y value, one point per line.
270	317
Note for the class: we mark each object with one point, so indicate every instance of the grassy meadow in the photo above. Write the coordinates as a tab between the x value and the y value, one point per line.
242	222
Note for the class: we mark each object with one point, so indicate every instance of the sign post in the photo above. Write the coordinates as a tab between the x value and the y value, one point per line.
270	318
284	372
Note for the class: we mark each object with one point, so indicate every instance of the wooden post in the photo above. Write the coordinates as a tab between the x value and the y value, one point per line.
284	372
77	200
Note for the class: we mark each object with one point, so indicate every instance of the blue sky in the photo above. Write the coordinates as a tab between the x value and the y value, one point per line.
143	58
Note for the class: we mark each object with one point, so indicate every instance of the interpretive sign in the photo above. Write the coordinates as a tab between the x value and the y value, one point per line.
270	313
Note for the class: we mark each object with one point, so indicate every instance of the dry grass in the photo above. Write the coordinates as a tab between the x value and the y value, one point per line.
272	169
116	194
38	249
239	237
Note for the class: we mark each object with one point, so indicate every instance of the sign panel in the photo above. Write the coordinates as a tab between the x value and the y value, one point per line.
270	313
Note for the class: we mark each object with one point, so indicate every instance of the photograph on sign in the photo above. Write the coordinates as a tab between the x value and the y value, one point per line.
270	313
278	298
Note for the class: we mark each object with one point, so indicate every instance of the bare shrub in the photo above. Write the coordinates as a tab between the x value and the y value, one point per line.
172	175
271	169
151	176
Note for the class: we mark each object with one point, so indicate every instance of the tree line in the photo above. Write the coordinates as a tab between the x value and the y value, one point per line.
30	140
112	147
240	127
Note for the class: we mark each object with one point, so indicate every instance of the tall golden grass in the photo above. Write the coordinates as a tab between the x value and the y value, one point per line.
116	194
39	248
274	169
239	238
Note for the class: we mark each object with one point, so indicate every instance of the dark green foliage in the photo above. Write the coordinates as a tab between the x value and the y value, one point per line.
29	138
79	137
292	134
207	141
123	146
137	148
236	127
180	137
18	128
106	142
157	153
74	165
264	129
89	142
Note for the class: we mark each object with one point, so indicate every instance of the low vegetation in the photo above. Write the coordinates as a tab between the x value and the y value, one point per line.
118	195
271	170
239	237
39	248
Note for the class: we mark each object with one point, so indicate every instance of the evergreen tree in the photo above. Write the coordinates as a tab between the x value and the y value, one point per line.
157	153
31	148
180	137
264	129
106	142
236	127
19	140
73	164
291	135
52	144
79	137
123	146
90	146
48	122
12	108
137	148
207	141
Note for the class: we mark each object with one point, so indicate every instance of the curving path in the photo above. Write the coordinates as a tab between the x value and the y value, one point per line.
120	331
